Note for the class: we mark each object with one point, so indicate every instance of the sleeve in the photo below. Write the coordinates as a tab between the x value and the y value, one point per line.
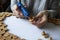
13	3
53	8
52	13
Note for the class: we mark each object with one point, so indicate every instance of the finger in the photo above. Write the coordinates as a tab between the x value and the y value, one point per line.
14	13
21	15
34	23
39	25
18	11
35	19
43	20
39	15
38	22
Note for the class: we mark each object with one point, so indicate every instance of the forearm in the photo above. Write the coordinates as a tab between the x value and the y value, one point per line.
49	13
52	13
13	4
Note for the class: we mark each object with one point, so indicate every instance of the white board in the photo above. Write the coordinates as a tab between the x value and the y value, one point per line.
24	29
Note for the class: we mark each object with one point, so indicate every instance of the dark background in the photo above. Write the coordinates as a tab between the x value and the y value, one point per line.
4	4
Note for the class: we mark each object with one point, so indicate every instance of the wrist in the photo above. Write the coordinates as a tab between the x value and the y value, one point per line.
14	7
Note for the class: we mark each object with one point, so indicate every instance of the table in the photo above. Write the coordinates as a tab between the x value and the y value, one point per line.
24	29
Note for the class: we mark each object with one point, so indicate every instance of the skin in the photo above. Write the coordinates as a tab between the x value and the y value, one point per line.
39	20
17	12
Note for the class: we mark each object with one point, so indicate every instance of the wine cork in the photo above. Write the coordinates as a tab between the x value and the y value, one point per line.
31	19
6	34
7	14
50	38
45	34
1	14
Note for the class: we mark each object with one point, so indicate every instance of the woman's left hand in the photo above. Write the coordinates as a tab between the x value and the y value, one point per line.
40	19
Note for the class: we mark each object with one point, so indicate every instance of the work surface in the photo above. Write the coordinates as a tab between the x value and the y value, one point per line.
24	29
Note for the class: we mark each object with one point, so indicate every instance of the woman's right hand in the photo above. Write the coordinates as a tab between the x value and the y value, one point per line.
17	12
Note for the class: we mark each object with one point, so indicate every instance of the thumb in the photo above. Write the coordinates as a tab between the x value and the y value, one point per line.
39	15
20	14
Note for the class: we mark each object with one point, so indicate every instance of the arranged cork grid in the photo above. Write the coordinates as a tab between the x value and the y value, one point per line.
4	32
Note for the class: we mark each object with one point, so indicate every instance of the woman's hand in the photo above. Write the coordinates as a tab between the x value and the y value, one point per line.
17	12
40	19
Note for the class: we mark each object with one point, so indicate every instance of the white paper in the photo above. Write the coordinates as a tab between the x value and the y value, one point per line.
24	29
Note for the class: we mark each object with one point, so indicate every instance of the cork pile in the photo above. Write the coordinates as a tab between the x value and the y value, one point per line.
4	32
